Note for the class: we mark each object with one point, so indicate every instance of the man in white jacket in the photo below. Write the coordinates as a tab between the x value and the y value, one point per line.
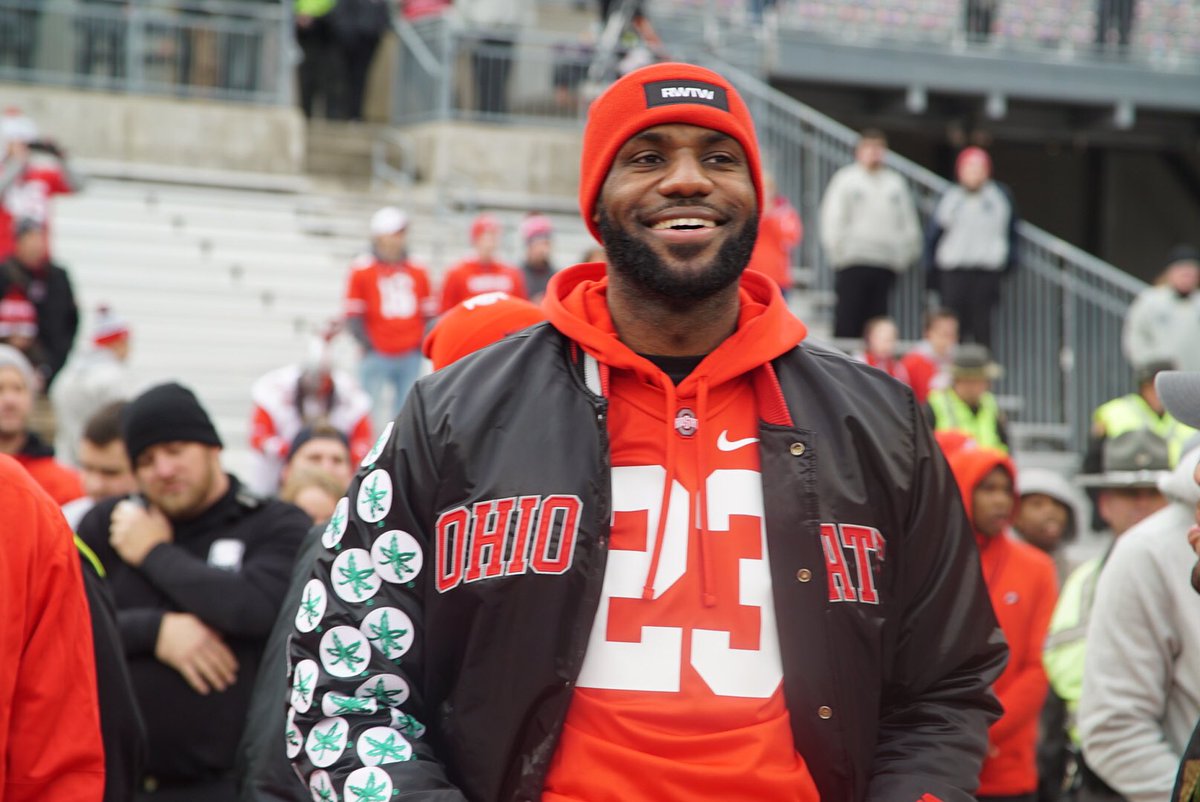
1141	685
1163	323
869	231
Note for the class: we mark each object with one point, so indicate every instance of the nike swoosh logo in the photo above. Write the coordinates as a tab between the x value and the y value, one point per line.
725	444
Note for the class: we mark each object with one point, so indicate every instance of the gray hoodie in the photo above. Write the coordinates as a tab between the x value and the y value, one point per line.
1141	684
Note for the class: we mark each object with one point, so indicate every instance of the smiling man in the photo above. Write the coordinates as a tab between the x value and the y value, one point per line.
198	569
657	548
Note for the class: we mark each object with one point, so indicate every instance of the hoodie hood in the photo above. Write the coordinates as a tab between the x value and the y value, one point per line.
577	305
1180	484
1051	483
970	464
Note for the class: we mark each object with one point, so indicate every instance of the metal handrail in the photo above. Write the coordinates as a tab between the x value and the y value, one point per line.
1060	319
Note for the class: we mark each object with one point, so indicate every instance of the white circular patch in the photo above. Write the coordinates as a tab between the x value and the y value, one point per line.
312	606
327	741
291	735
304	684
338	704
375	496
345	652
367	785
389	630
336	527
380	745
321	787
397	556
353	576
380	445
387	690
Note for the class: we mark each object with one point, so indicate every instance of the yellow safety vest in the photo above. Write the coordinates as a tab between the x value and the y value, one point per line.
1066	643
952	413
1130	413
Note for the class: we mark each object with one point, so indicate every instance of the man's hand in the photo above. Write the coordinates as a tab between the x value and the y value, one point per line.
190	647
134	530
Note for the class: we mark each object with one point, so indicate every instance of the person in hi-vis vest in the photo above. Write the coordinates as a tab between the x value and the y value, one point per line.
968	405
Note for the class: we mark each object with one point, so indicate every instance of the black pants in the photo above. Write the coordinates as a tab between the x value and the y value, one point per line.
862	293
979	19
357	55
1114	14
972	295
490	64
319	70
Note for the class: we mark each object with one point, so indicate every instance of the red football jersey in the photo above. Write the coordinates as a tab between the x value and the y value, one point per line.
394	301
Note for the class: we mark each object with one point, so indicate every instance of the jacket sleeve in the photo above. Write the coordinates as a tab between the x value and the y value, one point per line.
53	747
830	217
1014	221
937	701
1138	337
235	603
359	710
1131	649
1026	693
910	226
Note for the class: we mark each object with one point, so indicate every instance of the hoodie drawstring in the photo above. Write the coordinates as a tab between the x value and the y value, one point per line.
664	506
700	511
706	570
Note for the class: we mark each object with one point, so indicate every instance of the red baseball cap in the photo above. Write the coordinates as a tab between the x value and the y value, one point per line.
475	323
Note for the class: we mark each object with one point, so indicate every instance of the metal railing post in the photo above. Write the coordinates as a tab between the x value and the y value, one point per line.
134	46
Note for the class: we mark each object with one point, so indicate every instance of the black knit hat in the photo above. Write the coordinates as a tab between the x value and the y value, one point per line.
163	414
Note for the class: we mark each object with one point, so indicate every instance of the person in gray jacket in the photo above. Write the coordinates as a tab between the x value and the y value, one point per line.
1141	683
1163	323
972	244
870	233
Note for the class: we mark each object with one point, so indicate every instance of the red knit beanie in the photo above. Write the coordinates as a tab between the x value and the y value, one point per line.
973	152
659	95
477	322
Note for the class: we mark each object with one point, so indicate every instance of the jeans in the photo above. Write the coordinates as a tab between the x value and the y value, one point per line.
379	371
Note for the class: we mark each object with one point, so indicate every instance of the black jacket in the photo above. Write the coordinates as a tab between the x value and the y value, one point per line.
264	772
49	290
888	701
120	717
193	738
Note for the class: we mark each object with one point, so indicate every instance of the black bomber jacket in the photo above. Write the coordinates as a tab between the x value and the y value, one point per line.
415	672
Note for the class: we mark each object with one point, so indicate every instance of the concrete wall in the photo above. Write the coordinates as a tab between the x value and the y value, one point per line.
539	162
163	131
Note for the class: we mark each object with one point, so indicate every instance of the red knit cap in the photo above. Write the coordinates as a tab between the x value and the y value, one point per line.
477	322
659	95
483	223
973	152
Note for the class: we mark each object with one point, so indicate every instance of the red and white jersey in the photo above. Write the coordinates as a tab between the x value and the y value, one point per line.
471	277
28	198
681	691
276	420
394	301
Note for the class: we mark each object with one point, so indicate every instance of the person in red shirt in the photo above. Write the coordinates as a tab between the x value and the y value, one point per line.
929	362
779	231
484	272
879	351
32	171
17	388
49	707
388	303
1023	587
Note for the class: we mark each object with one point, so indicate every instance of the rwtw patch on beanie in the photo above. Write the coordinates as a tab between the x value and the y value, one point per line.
165	414
660	94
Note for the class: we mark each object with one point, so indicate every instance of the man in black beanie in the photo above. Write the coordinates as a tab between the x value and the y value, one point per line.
198	568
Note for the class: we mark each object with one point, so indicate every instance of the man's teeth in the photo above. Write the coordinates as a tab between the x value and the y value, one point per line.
684	222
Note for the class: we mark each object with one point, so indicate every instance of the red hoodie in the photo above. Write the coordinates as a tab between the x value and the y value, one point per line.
1023	587
680	694
49	714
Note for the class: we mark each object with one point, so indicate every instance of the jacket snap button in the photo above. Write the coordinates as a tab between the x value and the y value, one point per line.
825	712
797	449
804	575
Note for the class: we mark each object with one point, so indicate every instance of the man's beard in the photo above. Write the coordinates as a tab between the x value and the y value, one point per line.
637	262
